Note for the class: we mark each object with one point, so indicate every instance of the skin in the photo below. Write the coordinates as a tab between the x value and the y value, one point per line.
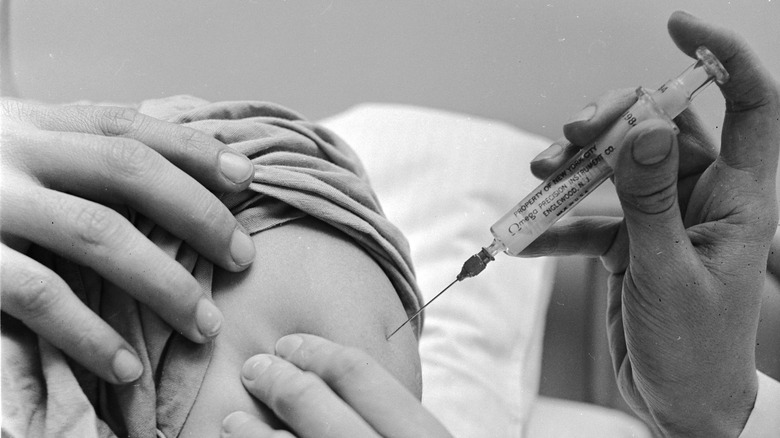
687	265
69	176
688	261
335	396
312	279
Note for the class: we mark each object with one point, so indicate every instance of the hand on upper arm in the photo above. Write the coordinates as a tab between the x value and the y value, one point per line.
66	170
309	278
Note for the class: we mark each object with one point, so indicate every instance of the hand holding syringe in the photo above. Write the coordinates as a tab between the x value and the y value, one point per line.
593	165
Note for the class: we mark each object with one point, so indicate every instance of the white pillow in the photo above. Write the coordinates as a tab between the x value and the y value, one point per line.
443	179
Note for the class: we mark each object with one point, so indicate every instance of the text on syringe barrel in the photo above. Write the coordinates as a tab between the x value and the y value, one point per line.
571	183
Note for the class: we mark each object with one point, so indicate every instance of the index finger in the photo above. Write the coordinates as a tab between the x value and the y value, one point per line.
127	172
211	162
582	128
696	149
360	381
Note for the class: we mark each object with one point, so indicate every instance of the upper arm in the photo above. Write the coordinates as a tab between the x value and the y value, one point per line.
307	278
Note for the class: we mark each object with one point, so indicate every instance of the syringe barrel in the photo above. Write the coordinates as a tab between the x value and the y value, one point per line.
583	173
570	184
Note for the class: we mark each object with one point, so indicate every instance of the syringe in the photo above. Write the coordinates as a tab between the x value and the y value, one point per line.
593	165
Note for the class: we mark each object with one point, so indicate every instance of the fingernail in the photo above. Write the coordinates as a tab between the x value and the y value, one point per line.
585	114
233	422
242	248
208	318
652	147
126	366
286	346
235	167
553	151
255	366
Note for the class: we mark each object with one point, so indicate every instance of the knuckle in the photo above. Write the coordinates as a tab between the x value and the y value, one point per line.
186	139
297	389
19	119
349	363
32	294
653	195
116	121
651	203
91	224
13	109
131	159
8	107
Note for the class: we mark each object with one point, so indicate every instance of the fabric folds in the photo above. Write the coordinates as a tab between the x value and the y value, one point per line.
300	169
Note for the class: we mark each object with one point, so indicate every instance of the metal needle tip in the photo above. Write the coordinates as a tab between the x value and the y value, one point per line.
420	311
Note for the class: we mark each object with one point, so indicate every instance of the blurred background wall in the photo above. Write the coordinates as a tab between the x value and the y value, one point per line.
531	63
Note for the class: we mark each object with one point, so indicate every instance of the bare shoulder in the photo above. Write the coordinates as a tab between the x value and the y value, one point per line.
308	278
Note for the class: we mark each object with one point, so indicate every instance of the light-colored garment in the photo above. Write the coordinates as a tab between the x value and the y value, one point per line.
764	420
443	179
300	169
